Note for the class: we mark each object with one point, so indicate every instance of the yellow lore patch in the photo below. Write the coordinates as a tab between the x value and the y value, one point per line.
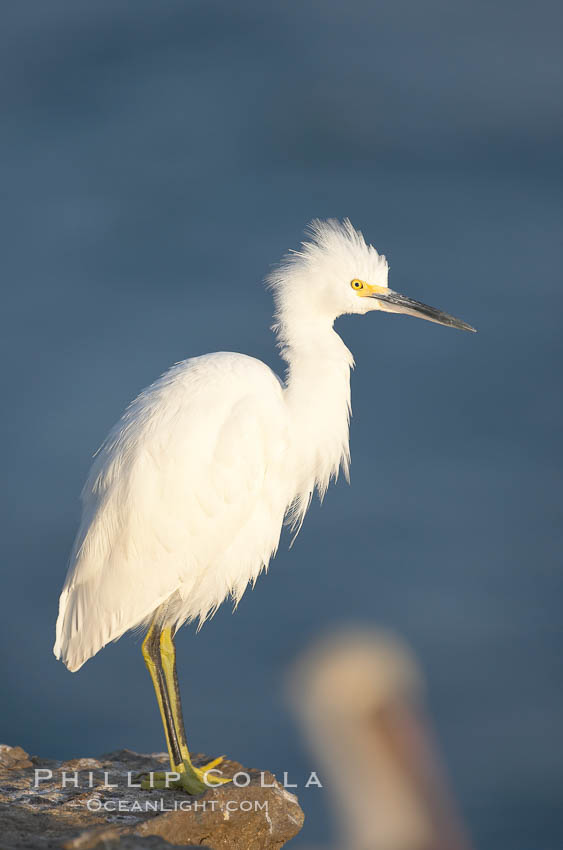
362	288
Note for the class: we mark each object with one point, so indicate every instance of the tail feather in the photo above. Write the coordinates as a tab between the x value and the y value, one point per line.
85	624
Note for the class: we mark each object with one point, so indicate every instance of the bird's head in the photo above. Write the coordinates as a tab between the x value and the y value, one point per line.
337	272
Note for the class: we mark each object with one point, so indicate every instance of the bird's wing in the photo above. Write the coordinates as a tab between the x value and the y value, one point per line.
173	502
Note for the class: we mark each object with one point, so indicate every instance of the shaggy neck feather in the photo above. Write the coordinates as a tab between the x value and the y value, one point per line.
317	393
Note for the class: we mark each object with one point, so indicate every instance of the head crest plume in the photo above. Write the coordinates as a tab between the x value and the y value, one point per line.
332	253
325	237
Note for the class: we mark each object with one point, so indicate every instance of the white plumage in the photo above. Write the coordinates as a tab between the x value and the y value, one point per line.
186	498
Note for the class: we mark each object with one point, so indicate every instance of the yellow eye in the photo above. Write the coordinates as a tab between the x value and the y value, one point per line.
357	284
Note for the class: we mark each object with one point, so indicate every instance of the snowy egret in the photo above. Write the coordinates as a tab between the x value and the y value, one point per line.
186	498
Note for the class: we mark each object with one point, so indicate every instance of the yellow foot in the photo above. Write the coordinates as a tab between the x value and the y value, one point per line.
188	778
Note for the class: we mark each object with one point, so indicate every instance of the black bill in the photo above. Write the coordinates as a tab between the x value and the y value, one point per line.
395	303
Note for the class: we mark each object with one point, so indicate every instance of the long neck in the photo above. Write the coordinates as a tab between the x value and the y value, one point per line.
317	394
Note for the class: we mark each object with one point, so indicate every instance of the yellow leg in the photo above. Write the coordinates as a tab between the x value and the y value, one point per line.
157	677
191	776
160	657
168	657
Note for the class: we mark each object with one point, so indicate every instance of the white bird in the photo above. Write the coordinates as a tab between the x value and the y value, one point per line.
186	498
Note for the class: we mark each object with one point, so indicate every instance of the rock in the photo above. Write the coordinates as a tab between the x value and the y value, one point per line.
90	804
13	757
